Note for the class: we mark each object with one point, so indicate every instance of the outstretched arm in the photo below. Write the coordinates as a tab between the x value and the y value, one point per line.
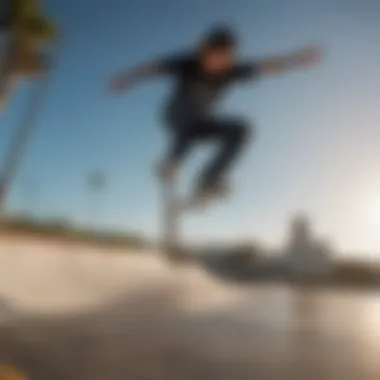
302	58
134	75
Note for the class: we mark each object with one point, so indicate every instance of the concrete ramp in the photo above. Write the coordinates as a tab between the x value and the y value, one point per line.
75	312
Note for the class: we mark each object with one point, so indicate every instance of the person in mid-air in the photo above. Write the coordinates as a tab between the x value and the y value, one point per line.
202	76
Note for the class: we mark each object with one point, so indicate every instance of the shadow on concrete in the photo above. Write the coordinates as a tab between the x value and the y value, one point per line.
148	337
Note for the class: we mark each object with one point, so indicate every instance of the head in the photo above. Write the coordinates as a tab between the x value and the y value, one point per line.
217	50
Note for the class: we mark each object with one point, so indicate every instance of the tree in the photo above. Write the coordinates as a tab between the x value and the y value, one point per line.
28	30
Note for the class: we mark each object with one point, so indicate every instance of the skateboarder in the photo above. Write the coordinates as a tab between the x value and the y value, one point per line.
201	77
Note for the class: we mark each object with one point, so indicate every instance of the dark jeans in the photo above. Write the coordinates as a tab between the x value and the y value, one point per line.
230	134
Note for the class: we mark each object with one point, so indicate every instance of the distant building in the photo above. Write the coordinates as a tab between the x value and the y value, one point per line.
304	254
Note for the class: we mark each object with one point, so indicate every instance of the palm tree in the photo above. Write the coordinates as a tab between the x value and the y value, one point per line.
28	29
21	137
25	29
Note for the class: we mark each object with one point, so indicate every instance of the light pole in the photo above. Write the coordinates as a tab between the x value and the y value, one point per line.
30	197
96	185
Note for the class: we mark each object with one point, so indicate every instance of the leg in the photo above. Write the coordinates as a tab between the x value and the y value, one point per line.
181	141
184	124
232	136
6	13
180	145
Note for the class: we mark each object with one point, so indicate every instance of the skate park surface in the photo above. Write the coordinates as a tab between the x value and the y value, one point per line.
70	311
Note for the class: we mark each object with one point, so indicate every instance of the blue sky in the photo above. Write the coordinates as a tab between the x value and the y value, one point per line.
317	130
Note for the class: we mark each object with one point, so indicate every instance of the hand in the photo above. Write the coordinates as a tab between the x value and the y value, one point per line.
308	56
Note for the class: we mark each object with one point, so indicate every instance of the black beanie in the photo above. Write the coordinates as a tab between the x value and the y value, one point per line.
220	37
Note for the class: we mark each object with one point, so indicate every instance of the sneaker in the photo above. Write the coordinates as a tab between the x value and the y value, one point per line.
209	192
